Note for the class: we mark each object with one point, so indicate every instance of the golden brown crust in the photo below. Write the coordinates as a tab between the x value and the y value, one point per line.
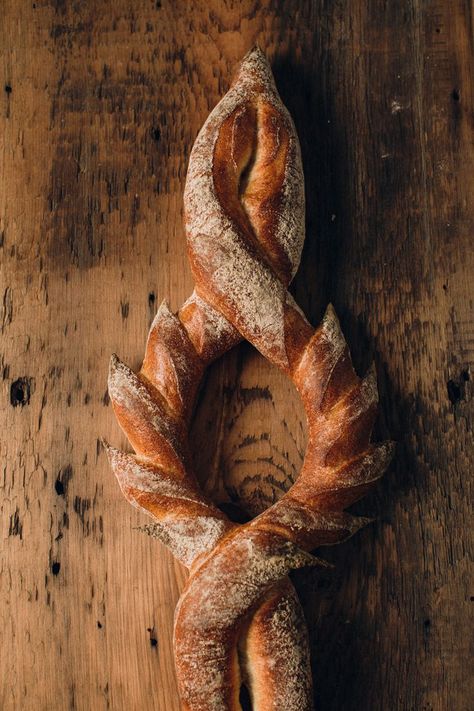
244	207
274	653
221	591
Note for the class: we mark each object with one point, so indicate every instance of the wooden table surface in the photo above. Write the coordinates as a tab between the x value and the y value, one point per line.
100	104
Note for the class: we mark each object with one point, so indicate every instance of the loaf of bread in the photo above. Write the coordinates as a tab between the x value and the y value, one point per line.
238	620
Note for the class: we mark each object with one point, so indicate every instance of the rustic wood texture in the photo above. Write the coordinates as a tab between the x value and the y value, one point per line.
100	103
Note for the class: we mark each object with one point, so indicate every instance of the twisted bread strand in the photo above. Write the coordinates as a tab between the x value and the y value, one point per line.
244	206
153	408
340	465
160	481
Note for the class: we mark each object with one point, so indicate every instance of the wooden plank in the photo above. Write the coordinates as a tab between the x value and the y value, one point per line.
100	104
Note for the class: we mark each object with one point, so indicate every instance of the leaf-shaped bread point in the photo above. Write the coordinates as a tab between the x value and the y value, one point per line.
171	363
183	518
336	488
146	418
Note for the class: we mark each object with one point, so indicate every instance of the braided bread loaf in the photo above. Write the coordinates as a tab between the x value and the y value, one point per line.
239	619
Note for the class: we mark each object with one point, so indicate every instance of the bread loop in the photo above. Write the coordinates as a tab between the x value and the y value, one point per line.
239	619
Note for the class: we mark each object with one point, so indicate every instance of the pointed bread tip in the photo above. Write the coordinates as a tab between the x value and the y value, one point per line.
330	327
253	52
372	369
369	390
113	454
116	366
114	361
371	373
164	307
330	316
391	446
113	367
117	369
303	559
162	312
256	67
359	522
321	563
386	449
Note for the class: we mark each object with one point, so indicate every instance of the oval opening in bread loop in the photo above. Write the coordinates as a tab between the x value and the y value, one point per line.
253	423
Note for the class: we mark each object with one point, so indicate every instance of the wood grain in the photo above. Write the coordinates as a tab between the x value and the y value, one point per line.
100	104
